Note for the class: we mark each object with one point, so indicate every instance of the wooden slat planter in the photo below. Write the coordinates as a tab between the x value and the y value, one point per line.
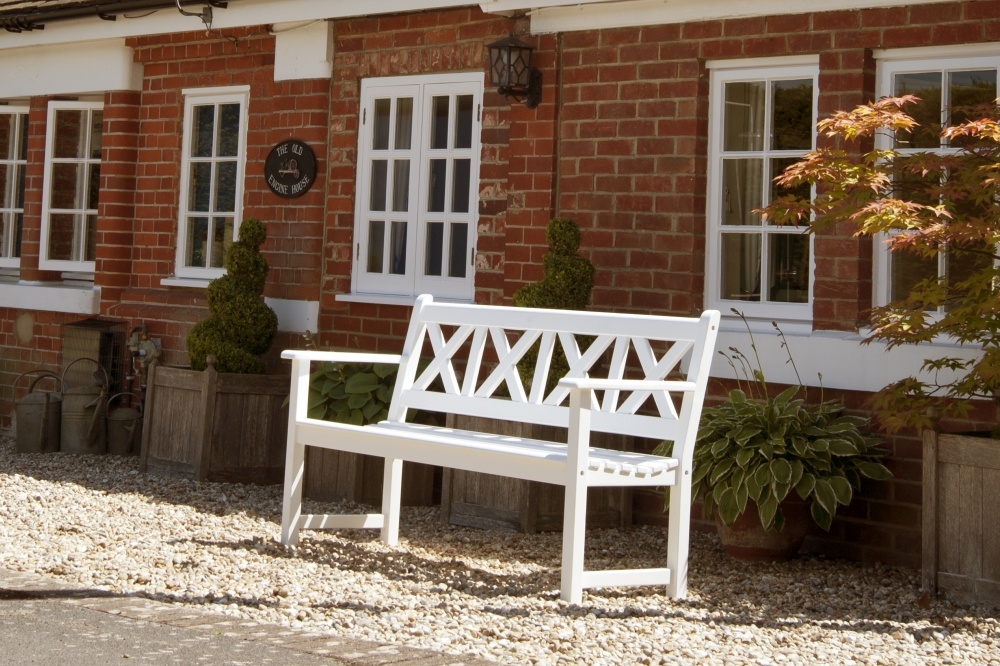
961	511
335	475
214	426
493	502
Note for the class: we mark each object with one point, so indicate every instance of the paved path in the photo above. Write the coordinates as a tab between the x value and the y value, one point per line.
47	621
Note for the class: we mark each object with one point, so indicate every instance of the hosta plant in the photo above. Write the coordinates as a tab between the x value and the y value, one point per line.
357	393
759	448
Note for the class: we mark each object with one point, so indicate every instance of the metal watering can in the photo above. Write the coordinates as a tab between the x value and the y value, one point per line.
84	429
124	428
38	415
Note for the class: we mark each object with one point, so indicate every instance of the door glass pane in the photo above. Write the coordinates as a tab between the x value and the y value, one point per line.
380	124
460	188
463	121
742	183
404	122
379	176
788	259
439	122
436	185
376	245
397	248
225	179
222	238
927	112
229	130
401	186
743	124
907	269
90	245
197	241
741	267
203	130
94	185
67	178
96	132
200	189
792	115
434	248
62	231
71	137
459	246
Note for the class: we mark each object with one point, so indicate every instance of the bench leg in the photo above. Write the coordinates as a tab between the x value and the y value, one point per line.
574	531
678	536
392	490
291	503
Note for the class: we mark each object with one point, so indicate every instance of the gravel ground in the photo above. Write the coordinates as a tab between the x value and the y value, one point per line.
95	520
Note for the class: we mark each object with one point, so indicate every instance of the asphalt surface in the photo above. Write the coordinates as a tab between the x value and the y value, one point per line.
46	621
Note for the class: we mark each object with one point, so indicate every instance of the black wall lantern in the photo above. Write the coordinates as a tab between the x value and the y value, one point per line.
511	71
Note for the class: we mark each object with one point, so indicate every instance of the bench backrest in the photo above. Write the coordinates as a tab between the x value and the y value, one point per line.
474	351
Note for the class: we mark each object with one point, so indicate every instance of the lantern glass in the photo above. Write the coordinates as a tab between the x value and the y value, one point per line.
510	64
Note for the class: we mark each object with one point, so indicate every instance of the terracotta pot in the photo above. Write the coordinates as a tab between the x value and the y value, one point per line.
747	540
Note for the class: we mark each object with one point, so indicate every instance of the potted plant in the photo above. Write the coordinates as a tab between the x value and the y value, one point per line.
763	463
222	419
934	208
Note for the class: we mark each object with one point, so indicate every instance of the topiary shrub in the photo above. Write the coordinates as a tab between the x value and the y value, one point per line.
241	326
566	285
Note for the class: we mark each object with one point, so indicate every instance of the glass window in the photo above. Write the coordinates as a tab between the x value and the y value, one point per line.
13	160
762	121
417	173
71	187
212	173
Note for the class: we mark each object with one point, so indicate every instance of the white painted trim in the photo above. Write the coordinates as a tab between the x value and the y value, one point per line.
295	316
48	297
184	282
68	69
379	299
303	51
9	191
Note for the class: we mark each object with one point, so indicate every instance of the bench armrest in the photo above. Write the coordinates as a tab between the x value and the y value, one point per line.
340	357
596	384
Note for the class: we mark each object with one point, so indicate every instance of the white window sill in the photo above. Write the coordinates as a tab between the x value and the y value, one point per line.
184	282
51	297
388	299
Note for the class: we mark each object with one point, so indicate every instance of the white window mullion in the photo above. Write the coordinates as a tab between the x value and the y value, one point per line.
13	161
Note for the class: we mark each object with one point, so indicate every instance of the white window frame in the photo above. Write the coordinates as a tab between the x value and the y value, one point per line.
901	61
82	267
721	73
7	260
411	283
203	97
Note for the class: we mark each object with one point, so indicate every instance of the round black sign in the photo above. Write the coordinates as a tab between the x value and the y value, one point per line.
290	168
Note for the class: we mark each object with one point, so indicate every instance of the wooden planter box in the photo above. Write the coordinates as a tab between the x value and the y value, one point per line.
494	502
214	426
335	475
961	511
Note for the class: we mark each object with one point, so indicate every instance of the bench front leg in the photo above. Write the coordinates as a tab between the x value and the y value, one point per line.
295	455
575	507
392	490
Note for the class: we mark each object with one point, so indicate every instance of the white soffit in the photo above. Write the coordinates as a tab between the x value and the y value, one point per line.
68	69
303	50
565	16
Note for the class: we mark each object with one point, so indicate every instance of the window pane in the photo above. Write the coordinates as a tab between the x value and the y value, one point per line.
17	229
6	227
435	186
460	188
7	190
966	90
434	246
401	186
62	232
741	267
404	122
70	142
789	268
380	124
792	121
22	152
19	186
378	193
463	121
742	183
197	241
96	132
222	238
459	245
927	112
439	122
94	183
8	136
778	166
203	131
200	188
229	130
907	269
67	182
91	240
744	116
225	179
397	249
376	245
961	266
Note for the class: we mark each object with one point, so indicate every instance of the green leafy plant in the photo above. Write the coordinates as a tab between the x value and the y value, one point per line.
356	393
927	206
240	326
760	448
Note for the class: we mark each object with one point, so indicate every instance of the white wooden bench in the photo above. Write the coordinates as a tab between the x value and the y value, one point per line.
637	375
